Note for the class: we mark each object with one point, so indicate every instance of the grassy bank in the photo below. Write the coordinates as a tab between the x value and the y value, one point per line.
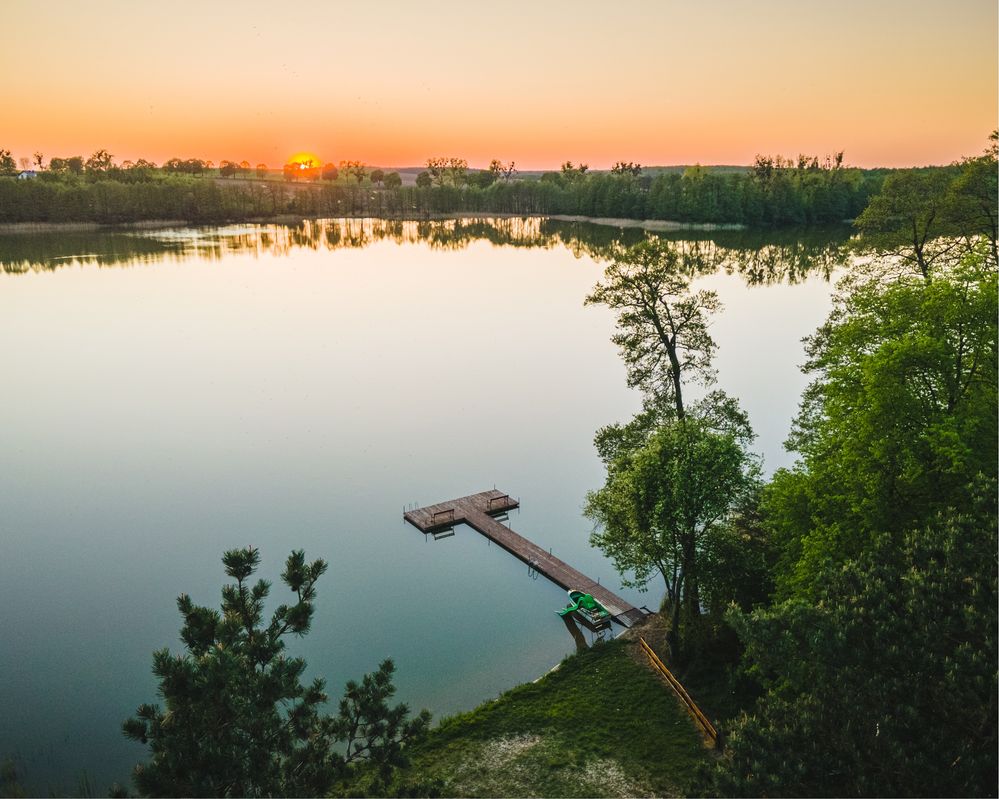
600	725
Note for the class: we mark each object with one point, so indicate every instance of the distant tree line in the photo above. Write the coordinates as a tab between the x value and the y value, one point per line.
774	192
115	200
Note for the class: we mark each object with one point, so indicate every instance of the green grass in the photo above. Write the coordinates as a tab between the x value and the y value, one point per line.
601	725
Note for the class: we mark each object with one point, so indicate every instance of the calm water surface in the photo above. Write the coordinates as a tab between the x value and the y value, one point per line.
172	394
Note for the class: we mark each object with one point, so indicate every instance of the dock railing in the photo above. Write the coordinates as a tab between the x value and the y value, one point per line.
505	499
485	512
443	517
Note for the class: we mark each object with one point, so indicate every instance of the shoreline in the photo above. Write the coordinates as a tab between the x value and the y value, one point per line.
89	227
647	224
652	225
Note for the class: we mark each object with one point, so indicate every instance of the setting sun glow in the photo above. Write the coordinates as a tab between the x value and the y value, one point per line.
811	78
304	160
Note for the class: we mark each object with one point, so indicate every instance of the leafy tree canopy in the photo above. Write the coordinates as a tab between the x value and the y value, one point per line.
8	166
100	161
664	504
899	419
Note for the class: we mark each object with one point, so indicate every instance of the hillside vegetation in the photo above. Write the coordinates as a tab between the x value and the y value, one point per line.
601	724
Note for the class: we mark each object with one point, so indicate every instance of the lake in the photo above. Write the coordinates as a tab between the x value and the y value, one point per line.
172	394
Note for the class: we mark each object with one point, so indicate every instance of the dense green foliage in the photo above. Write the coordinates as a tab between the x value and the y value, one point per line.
880	663
69	198
899	419
878	660
885	683
664	503
599	725
238	721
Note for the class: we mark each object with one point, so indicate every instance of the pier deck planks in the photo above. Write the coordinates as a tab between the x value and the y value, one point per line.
477	511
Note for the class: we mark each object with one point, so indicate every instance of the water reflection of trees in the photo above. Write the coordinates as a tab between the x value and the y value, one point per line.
778	257
760	257
39	252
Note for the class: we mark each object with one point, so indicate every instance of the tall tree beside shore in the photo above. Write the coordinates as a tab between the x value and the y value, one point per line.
677	471
662	324
663	504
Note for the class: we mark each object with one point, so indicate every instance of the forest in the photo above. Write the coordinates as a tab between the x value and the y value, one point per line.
773	192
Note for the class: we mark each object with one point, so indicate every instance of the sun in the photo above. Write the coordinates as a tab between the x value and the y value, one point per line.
305	160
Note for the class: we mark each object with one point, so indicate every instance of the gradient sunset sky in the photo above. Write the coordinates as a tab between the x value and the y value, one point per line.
891	82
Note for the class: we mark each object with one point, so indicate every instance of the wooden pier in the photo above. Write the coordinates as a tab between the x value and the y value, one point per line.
478	510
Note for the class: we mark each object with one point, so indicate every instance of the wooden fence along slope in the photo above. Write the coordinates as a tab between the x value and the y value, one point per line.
682	695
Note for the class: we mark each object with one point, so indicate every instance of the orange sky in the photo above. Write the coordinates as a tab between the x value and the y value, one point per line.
891	82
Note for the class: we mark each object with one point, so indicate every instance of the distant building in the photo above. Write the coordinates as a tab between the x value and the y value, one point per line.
27	174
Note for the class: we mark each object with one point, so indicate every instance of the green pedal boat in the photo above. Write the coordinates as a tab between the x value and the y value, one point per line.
586	606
